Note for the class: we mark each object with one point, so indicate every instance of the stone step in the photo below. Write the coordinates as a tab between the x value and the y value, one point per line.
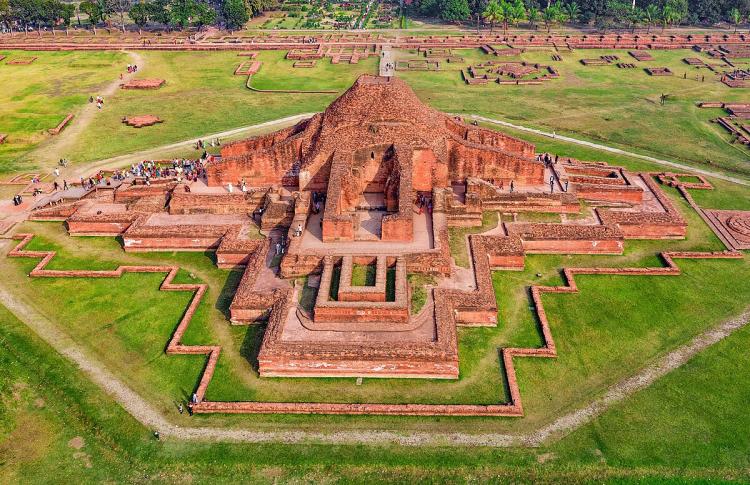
367	207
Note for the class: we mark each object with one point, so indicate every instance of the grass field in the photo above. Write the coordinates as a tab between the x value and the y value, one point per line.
54	422
618	107
613	106
203	96
37	96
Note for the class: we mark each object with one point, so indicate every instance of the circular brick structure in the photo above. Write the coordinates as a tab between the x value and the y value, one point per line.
740	224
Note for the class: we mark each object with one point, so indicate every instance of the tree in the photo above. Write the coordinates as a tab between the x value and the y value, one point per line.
635	16
533	16
107	7
673	12
679	10
235	13
736	17
93	10
667	14
5	12
515	12
158	11
651	15
204	15
23	11
122	7
593	9
68	10
552	14
181	12
493	13
454	10
430	8
139	14
572	12
256	7
618	10
477	10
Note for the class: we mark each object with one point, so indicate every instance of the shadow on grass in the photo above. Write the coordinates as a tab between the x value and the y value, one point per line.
535	316
226	295
250	347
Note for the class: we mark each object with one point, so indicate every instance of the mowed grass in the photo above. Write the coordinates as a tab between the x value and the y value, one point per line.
685	420
127	322
618	107
457	237
55	422
37	96
203	96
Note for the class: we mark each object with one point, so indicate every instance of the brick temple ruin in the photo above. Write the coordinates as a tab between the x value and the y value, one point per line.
340	189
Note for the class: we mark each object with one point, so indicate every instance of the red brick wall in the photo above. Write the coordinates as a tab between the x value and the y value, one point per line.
341	314
86	228
394	228
654	231
500	261
573	246
133	244
270	367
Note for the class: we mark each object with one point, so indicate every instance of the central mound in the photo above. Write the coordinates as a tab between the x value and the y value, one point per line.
374	99
370	120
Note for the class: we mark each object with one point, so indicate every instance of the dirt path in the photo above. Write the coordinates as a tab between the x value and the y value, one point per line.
48	154
151	418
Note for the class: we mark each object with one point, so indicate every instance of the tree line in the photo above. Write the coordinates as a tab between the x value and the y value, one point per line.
178	14
600	13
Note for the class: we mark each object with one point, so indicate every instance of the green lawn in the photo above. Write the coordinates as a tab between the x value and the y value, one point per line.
457	237
203	96
417	286
37	96
363	275
604	104
55	423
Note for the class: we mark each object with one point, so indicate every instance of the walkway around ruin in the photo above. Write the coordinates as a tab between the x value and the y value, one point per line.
387	62
151	418
606	148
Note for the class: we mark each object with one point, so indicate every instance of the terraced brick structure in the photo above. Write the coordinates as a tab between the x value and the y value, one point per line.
377	142
361	197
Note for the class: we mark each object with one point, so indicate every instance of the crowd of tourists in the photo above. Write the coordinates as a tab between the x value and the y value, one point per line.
318	198
99	101
423	203
181	169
